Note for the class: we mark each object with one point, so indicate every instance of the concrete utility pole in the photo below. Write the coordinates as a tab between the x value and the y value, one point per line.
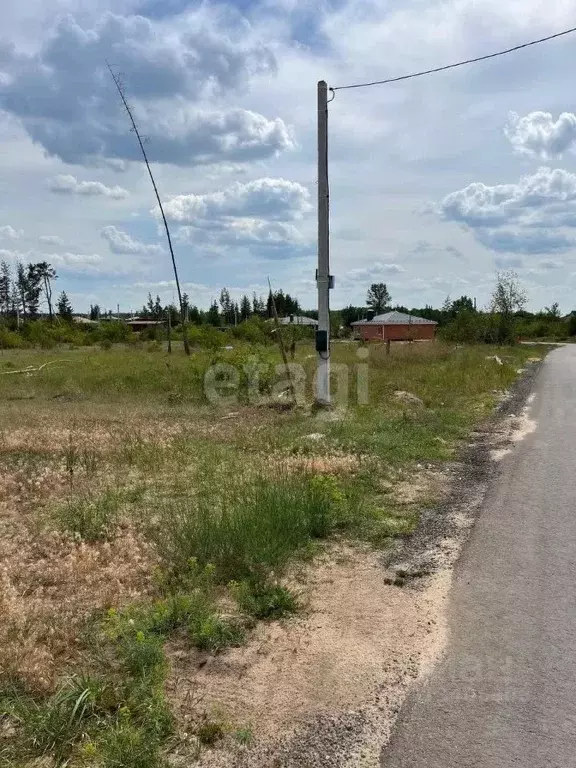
323	279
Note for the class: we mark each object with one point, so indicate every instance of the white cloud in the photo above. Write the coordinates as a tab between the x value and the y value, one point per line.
64	97
255	215
9	233
508	262
273	199
50	240
120	242
66	184
526	217
75	262
190	135
6	255
374	271
271	239
482	205
539	135
550	264
525	240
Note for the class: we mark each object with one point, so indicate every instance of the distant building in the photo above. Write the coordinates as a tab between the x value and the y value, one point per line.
138	324
395	326
83	320
297	320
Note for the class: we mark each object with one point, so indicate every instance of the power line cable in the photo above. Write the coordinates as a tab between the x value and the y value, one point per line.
457	64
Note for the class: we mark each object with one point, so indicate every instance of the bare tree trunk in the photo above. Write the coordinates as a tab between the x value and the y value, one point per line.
120	89
281	343
48	292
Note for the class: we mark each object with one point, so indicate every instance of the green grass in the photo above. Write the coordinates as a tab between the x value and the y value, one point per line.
244	527
225	514
90	721
122	374
264	600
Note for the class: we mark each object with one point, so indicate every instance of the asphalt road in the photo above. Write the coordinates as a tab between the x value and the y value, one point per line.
504	694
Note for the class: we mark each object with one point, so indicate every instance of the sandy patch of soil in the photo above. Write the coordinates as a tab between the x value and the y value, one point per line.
514	429
422	484
353	654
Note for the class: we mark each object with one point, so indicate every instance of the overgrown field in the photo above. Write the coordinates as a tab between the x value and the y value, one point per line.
144	500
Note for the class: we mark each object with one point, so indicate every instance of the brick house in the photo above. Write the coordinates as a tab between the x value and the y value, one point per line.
395	326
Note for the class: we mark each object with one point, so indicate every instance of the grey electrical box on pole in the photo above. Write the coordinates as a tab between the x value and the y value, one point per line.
323	280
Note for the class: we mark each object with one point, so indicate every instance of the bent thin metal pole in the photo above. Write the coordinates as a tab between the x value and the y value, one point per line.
323	273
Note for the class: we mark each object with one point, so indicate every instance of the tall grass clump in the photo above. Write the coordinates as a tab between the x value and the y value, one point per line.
246	529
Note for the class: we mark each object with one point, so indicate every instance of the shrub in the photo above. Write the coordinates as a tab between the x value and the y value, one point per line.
47	335
10	340
255	330
55	724
142	652
114	331
264	600
467	328
90	518
244	529
126	745
209	732
139	631
207	336
214	633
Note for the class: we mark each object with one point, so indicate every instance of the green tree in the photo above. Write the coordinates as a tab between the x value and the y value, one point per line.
64	307
94	312
245	308
46	274
186	305
195	315
258	305
5	288
508	298
291	306
378	297
173	312
33	288
21	285
553	312
463	303
350	314
227	307
213	314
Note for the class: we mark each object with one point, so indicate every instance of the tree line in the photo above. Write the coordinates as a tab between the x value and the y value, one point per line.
26	294
21	292
502	321
222	312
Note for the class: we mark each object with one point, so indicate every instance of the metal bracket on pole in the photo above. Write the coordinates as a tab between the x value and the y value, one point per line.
324	281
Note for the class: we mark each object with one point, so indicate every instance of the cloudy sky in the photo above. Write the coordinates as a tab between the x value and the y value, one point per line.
435	182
